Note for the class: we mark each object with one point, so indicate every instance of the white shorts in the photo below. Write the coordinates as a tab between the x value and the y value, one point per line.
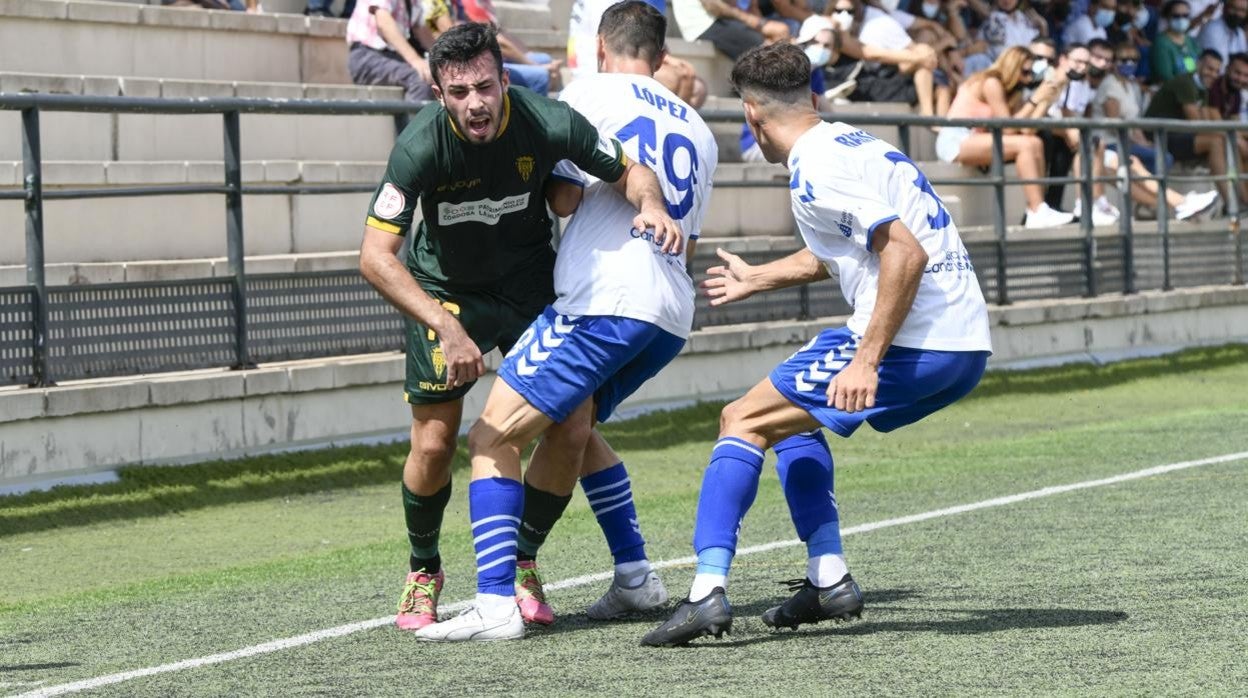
949	142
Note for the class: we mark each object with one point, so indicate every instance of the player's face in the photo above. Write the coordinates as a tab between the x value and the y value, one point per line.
472	93
1238	73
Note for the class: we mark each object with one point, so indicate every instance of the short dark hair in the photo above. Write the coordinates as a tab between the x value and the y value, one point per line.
1210	53
1071	48
634	29
779	72
1237	58
1100	43
461	44
1167	8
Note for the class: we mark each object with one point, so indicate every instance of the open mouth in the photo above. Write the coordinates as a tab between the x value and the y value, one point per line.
479	126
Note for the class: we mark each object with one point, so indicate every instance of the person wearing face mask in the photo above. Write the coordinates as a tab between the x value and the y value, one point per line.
1012	23
819	40
1227	34
1135	23
1093	24
895	68
999	92
1184	97
1074	95
1174	52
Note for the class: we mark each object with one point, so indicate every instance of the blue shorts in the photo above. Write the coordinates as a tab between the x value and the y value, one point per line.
913	382
560	361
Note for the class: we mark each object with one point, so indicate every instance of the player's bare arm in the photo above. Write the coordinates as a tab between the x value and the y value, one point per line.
737	279
386	273
902	260
641	187
563	196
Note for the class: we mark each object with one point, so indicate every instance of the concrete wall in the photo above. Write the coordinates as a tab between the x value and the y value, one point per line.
97	425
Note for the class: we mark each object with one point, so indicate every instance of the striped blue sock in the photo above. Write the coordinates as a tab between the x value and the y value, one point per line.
495	505
610	495
728	489
804	464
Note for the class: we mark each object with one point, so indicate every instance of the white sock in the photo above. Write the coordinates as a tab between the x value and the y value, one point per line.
630	574
495	605
826	570
704	583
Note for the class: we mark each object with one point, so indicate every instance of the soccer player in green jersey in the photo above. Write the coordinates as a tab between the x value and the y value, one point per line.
479	270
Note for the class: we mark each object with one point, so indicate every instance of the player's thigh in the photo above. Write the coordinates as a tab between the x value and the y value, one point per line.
915	384
662	348
560	362
426	363
764	416
508	419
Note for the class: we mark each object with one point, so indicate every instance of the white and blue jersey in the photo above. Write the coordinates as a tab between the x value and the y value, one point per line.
844	184
624	308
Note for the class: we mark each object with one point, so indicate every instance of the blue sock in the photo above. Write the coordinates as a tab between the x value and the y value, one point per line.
610	495
728	489
804	464
495	505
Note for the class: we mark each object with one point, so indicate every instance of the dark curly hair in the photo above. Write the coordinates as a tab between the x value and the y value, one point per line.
461	44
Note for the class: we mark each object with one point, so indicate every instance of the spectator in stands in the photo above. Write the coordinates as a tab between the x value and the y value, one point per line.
895	68
1135	23
1062	144
923	30
379	35
1174	52
1228	100
536	71
1183	97
1226	34
1012	23
731	30
675	74
1092	24
998	93
252	6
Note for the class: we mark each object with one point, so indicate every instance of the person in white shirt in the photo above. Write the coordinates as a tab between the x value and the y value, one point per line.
1227	34
1009	24
918	339
1093	24
897	69
623	311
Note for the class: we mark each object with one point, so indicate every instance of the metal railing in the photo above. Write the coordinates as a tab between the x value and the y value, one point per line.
66	332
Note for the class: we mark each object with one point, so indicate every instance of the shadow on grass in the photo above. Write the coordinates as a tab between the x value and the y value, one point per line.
4	668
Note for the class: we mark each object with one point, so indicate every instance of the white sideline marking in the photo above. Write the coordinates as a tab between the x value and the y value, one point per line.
309	638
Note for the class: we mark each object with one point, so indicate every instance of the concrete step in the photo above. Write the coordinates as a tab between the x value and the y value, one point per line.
130	39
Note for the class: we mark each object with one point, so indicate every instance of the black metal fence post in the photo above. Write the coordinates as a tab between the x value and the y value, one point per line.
1085	214
903	137
234	236
1232	204
1163	207
1125	227
998	213
32	182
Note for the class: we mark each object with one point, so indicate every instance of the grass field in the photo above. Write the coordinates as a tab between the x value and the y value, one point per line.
1130	588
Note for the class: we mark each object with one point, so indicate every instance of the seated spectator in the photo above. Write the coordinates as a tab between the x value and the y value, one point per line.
1174	52
790	13
1228	101
998	93
818	38
949	60
1044	55
731	30
536	71
1093	24
1062	144
379	34
1226	34
675	74
895	68
252	6
1010	24
1183	97
1135	23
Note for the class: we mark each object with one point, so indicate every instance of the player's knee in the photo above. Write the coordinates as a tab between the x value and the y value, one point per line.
486	436
432	450
571	435
731	417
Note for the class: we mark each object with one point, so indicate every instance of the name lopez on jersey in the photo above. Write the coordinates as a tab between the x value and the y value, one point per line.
661	103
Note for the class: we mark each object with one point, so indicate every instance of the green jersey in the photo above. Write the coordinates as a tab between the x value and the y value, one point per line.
484	213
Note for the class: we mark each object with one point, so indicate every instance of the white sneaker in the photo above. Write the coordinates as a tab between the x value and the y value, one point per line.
474	626
1104	213
1195	204
621	600
1045	217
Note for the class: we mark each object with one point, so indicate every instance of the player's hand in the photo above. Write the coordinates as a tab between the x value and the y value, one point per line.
421	66
730	282
667	233
853	389
463	358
